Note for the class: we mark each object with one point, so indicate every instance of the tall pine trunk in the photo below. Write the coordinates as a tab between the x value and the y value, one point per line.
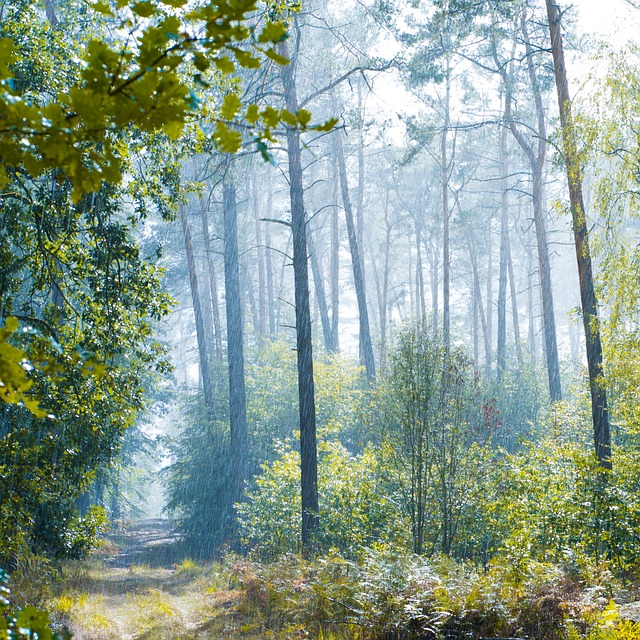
599	408
203	356
235	347
306	391
356	262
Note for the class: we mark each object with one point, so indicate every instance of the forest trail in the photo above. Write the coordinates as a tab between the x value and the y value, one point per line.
150	542
145	588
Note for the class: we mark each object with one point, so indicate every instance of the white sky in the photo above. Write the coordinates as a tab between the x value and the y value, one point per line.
612	20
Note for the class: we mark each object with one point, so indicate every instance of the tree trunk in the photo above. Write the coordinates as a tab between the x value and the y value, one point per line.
213	282
489	294
599	409
335	270
356	262
262	287
235	347
321	298
478	296
446	260
205	371
269	269
306	392
514	303
501	355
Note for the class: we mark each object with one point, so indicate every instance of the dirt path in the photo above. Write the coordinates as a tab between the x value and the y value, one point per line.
151	542
146	588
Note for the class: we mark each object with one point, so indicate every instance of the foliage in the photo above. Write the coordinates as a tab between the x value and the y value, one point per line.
197	479
436	429
354	511
27	622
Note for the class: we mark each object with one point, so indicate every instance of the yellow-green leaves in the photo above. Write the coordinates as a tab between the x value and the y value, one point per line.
14	383
273	32
246	59
226	139
144	9
230	106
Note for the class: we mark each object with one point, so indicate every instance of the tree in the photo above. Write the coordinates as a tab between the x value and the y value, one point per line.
599	408
239	445
306	391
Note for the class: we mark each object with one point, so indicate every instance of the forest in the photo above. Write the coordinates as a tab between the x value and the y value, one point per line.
319	321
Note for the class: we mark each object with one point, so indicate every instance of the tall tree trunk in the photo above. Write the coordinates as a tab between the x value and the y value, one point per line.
514	303
262	286
271	308
356	262
213	281
599	409
489	293
384	298
205	371
306	392
533	347
360	208
321	298
445	169
235	347
421	304
478	295
501	355
435	254
335	269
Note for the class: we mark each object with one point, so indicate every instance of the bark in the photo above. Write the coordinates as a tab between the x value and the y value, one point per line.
321	298
433	263
262	287
489	295
446	260
533	348
501	354
306	392
213	282
235	347
335	270
421	304
478	296
356	262
514	303
599	408
269	269
205	370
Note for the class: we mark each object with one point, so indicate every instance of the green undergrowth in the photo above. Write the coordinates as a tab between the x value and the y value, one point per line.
383	595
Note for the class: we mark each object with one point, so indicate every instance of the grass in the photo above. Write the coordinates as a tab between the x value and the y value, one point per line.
384	595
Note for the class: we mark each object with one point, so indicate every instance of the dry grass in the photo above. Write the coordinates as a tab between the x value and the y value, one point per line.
187	602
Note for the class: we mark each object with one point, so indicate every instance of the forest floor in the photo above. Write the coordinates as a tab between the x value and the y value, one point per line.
142	586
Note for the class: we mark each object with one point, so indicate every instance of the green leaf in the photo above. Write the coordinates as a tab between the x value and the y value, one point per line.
271	116
246	59
230	106
102	7
327	126
176	4
276	57
201	62
288	118
227	140
144	9
252	114
225	64
304	117
273	32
